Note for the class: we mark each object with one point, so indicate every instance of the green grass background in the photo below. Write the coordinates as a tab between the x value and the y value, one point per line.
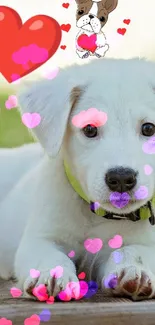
13	133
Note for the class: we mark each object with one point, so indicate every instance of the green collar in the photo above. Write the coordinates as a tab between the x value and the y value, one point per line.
145	212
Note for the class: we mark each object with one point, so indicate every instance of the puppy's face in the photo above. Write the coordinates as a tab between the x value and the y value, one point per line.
92	16
113	157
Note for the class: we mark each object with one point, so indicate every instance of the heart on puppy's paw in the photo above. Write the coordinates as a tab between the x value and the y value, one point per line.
57	272
93	245
33	320
74	290
15	292
34	273
115	242
31	120
121	31
40	292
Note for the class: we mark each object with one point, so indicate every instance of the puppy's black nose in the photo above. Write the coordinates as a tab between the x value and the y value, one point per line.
91	16
121	179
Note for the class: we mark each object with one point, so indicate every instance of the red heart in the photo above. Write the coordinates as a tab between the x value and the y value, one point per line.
25	47
65	5
121	31
87	42
66	27
126	21
63	47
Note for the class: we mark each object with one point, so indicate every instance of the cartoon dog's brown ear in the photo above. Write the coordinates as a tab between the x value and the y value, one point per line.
80	1
110	5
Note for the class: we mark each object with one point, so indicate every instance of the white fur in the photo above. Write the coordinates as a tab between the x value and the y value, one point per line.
42	218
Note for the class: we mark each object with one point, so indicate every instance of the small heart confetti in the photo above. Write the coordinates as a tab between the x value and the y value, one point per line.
45	315
148	169
93	245
11	102
33	320
51	74
15	292
141	193
82	275
126	21
121	31
149	146
115	242
63	47
50	300
111	281
65	5
34	273
71	254
117	256
57	272
5	321
65	27
92	289
40	292
31	120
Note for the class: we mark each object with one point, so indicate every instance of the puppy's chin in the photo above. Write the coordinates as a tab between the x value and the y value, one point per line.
130	207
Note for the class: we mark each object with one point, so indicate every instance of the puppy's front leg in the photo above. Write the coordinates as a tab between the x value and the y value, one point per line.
43	256
130	271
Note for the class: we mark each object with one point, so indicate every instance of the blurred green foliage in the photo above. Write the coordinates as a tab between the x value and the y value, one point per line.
13	133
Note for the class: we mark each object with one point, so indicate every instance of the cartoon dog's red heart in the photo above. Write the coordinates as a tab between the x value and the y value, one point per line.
66	27
87	42
126	21
121	31
25	47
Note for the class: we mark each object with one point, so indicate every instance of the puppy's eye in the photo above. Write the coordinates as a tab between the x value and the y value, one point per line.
102	19
90	131
148	129
80	12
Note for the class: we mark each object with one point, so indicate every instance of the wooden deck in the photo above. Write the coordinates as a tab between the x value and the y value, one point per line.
95	311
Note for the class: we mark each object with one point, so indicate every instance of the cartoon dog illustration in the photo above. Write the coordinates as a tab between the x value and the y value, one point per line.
91	16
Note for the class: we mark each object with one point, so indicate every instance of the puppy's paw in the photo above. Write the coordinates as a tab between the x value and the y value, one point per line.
131	281
46	285
86	55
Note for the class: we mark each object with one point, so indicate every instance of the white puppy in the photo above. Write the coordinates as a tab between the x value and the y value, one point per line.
43	218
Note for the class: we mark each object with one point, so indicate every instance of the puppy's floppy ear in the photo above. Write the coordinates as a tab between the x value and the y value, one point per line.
53	100
110	5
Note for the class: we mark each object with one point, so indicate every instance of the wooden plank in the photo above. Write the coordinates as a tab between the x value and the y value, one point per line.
109	312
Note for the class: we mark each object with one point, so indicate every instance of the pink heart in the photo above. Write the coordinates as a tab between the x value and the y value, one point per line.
87	42
57	272
71	254
51	74
93	245
115	242
4	321
15	292
34	273
31	120
74	290
11	102
40	292
148	169
33	320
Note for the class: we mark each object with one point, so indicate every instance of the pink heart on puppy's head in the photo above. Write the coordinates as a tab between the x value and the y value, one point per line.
31	120
119	200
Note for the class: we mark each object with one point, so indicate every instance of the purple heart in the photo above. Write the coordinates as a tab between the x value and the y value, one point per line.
111	281
119	200
141	193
